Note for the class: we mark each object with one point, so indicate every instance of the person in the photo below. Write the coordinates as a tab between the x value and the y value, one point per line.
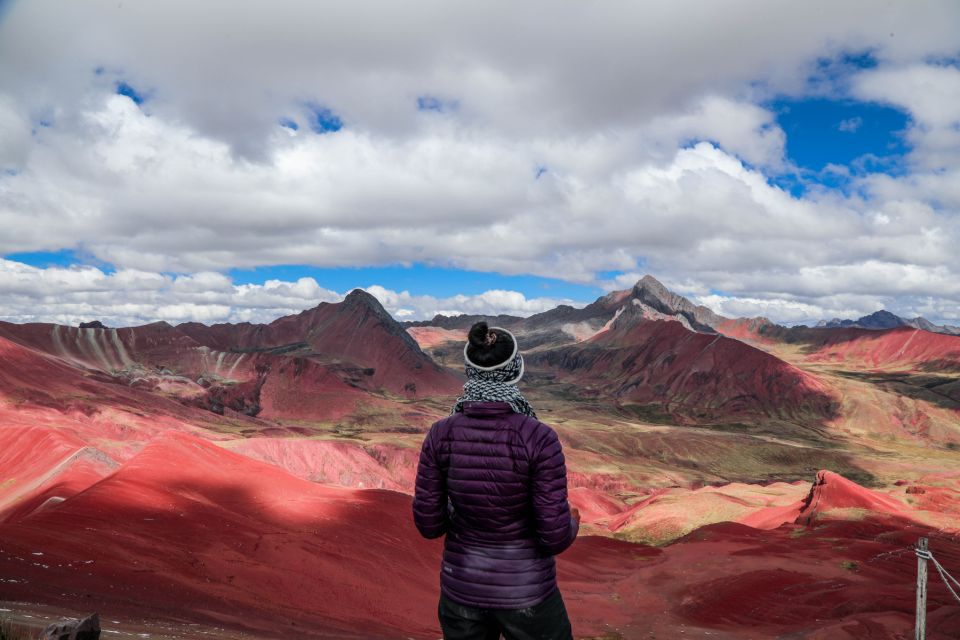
493	479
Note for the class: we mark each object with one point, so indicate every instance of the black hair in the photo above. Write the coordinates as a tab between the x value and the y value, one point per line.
481	352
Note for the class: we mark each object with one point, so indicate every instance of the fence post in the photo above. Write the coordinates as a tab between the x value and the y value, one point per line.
921	590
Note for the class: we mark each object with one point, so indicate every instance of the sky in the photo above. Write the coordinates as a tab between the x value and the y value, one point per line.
227	162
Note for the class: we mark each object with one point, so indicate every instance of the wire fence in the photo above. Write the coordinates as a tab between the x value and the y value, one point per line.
947	578
925	556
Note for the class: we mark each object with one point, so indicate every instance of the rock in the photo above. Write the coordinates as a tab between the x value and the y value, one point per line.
96	324
74	629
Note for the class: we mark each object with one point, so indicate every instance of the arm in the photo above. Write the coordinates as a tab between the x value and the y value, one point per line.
556	526
430	492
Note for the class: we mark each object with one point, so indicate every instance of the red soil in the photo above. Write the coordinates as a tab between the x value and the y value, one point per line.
838	580
217	534
357	331
899	348
220	538
691	376
832	495
151	346
670	513
299	388
594	505
40	466
340	463
429	337
327	363
37	389
749	330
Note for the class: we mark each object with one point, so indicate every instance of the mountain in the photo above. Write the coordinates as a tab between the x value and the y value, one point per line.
257	477
356	336
662	368
207	533
44	467
189	531
884	319
565	324
902	348
323	363
465	321
651	293
649	350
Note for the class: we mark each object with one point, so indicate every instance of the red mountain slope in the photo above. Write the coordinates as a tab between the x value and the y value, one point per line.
151	345
188	530
689	376
899	348
836	495
357	333
323	364
38	389
40	467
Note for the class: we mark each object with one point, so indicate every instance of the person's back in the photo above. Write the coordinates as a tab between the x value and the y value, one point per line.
492	477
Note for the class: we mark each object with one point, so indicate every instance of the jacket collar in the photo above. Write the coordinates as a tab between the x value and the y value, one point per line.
482	408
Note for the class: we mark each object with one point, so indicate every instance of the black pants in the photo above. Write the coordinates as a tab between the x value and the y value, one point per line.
545	621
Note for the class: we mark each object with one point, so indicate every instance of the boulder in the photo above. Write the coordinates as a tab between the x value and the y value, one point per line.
74	629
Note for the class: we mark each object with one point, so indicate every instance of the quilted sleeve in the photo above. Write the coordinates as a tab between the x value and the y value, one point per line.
430	492
556	528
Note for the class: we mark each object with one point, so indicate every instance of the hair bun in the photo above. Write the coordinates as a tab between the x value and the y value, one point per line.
489	347
478	334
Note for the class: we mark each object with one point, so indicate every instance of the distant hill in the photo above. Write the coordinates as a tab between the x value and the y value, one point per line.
884	319
322	363
564	324
662	369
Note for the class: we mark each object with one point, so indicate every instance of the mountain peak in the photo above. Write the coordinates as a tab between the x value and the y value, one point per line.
882	319
652	293
364	302
359	296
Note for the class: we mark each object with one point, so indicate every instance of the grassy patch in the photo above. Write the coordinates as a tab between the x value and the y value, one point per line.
348	431
649	413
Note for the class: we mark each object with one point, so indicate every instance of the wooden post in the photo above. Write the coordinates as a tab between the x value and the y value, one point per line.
921	591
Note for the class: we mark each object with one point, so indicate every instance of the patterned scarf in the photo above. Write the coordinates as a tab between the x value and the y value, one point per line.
497	385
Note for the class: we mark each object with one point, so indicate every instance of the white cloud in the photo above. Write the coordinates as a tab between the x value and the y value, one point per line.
785	311
405	306
231	71
850	125
612	102
126	298
14	137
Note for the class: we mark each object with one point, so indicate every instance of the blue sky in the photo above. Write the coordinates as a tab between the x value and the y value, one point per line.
858	136
420	279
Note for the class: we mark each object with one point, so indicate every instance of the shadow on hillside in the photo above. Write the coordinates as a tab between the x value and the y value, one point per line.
302	558
812	339
937	389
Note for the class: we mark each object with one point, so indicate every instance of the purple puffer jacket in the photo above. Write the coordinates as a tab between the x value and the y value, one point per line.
495	482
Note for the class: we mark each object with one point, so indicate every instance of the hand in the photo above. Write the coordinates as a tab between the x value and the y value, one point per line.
575	513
